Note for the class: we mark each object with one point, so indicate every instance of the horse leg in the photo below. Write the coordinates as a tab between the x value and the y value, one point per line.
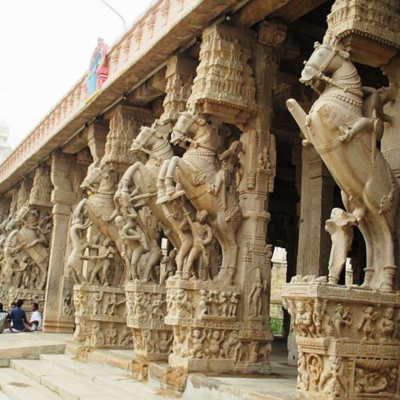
300	117
161	180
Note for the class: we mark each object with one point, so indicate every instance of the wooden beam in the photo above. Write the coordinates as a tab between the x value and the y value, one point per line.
255	11
295	9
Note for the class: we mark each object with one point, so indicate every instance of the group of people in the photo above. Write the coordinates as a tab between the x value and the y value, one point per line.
16	321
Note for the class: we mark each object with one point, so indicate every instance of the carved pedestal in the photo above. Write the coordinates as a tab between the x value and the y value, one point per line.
206	328
146	310
348	341
100	317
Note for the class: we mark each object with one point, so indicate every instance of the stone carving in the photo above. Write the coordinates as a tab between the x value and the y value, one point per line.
79	244
100	316
102	262
41	188
341	125
32	242
350	349
256	293
146	309
138	186
224	86
340	227
194	173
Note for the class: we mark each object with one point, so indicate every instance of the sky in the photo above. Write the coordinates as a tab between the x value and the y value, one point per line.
46	47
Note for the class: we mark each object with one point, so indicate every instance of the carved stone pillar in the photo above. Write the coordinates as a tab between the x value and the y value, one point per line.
63	198
222	325
316	203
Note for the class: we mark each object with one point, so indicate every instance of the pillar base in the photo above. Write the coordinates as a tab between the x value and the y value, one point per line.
100	317
146	310
348	341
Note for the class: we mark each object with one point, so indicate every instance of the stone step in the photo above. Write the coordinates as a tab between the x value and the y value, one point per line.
114	378
68	386
18	387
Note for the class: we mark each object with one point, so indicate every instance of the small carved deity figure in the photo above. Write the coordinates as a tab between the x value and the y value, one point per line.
303	378
111	304
96	305
223	303
67	305
255	297
314	366
334	380
111	336
196	341
264	162
372	382
215	339
367	323
103	262
183	304
386	326
320	319
180	341
341	321
157	311
202	307
165	341
303	319
97	339
202	239
230	165
234	300
132	247
149	342
340	227
232	346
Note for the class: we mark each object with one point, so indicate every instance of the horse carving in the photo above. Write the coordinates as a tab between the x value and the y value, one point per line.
343	125
32	243
138	185
100	183
195	174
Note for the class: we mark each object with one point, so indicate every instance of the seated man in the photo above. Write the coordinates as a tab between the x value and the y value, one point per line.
35	323
3	318
17	319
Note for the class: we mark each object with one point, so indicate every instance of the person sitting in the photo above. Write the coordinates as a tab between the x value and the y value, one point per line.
35	322
17	319
3	318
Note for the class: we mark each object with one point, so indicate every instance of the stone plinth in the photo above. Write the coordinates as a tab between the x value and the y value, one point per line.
100	317
348	341
206	327
146	310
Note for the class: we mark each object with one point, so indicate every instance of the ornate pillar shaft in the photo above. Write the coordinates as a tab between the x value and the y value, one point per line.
57	312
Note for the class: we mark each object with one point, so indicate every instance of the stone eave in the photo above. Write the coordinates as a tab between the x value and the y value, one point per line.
153	44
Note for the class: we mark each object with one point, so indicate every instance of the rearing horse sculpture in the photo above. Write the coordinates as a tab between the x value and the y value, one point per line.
343	125
195	173
143	178
101	182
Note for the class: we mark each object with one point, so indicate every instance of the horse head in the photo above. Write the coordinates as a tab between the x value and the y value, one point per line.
326	59
150	137
186	127
92	178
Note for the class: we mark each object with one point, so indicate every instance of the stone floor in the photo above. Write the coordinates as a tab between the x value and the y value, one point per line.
39	366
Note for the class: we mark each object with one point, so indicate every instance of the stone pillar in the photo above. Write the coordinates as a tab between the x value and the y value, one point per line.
222	325
316	204
63	198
